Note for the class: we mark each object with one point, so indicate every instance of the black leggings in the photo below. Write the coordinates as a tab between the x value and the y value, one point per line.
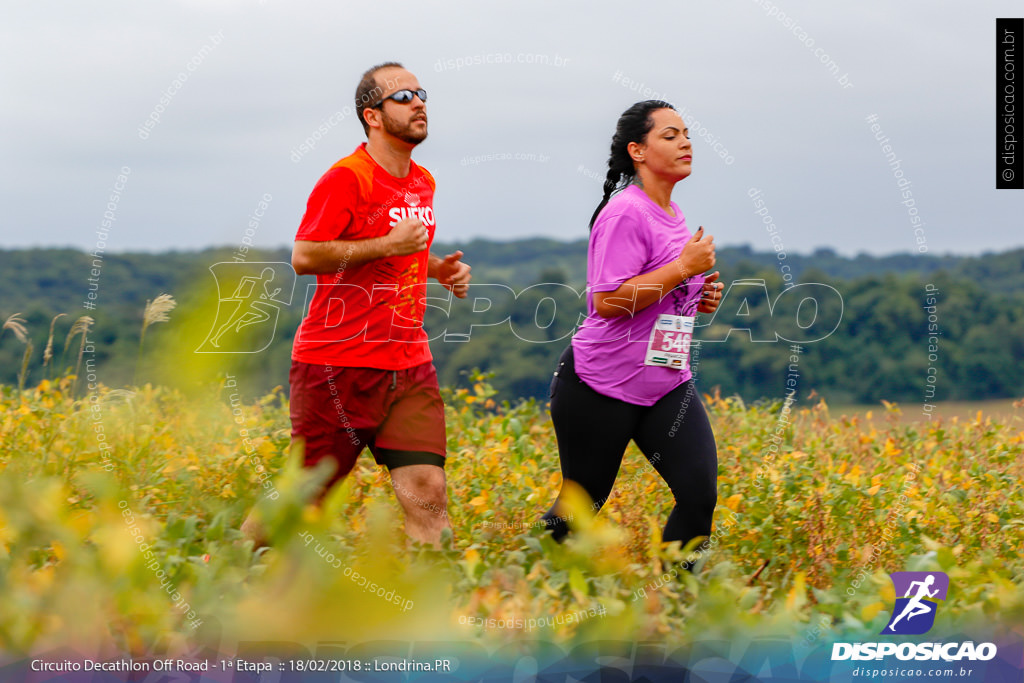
674	434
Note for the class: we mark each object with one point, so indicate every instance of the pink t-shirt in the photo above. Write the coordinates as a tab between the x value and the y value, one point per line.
632	235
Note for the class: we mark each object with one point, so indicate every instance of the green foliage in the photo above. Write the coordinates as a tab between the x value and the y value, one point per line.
92	557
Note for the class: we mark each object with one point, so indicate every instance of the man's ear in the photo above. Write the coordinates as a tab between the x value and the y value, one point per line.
372	117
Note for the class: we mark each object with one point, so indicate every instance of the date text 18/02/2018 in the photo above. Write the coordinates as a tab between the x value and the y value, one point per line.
368	665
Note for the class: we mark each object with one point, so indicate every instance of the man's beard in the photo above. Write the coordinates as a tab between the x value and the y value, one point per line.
404	133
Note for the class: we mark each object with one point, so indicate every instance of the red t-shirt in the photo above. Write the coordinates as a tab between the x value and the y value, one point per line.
368	315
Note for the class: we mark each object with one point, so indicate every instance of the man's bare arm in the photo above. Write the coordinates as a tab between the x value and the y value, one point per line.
408	236
451	272
433	264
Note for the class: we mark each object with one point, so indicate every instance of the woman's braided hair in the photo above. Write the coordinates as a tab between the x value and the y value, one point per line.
633	126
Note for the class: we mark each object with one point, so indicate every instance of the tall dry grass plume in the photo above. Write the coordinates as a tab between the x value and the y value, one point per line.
79	327
156	312
16	324
48	351
23	373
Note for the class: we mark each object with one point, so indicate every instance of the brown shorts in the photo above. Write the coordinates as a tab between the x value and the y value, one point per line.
338	411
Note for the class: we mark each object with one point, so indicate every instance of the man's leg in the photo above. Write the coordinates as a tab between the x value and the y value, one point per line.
411	444
422	491
330	421
253	530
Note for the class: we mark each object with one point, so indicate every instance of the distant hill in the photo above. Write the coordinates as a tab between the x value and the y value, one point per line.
523	261
879	350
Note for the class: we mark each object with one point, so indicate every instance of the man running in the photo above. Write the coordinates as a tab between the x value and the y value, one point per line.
361	367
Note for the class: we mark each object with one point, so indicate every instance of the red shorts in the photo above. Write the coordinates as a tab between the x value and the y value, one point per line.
338	411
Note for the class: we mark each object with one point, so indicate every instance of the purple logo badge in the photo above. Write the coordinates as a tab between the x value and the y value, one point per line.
917	596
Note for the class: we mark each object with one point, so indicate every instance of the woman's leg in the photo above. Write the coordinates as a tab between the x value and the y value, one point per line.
676	437
593	431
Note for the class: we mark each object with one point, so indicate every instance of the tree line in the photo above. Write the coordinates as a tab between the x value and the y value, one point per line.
905	327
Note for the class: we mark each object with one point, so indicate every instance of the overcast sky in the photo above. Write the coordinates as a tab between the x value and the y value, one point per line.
80	79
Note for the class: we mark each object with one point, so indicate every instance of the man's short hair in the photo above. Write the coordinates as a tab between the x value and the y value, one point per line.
369	92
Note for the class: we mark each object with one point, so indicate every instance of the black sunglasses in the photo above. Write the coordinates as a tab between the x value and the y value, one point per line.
403	97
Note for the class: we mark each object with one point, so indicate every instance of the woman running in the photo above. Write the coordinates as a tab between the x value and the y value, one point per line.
626	374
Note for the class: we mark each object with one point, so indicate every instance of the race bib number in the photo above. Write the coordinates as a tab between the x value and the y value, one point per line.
669	346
